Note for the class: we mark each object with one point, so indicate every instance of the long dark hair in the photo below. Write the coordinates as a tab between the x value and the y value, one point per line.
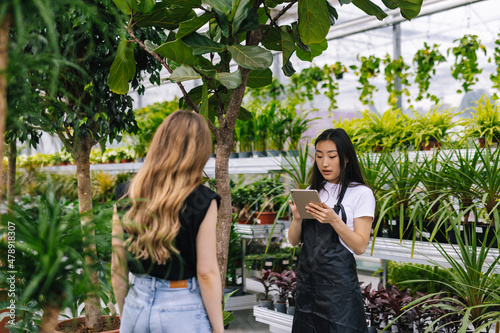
349	173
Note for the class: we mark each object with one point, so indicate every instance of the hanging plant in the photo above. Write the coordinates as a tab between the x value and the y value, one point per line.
396	69
426	60
318	81
495	77
370	68
466	67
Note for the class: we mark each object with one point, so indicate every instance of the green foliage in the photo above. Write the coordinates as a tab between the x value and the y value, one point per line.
148	119
381	131
396	68
369	68
403	276
426	60
298	167
466	66
436	124
49	250
495	77
485	121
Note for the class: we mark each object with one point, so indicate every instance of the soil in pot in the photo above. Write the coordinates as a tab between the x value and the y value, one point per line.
77	325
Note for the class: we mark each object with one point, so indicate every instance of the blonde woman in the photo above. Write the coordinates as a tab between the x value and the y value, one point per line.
167	237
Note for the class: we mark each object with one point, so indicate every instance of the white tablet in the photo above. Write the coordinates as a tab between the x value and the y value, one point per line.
301	198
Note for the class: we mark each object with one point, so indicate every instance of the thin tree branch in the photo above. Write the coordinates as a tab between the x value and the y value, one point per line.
282	12
187	99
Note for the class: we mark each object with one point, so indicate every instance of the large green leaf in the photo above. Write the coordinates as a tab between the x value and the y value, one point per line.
123	68
391	4
316	50
370	8
244	114
288	69
188	27
223	6
241	13
251	57
287	43
179	52
301	45
184	73
273	39
251	22
201	44
127	6
409	8
185	3
163	17
314	21
150	46
257	79
332	13
230	80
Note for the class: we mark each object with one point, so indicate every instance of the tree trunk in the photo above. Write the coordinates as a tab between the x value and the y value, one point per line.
50	318
4	55
93	317
224	146
11	174
225	217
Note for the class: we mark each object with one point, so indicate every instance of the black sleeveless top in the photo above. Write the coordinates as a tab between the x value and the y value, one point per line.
183	265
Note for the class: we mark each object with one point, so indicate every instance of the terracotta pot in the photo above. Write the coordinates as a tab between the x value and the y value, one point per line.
265	217
81	321
431	144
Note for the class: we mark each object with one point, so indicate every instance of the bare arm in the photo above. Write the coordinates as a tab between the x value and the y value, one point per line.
119	268
356	240
208	268
295	230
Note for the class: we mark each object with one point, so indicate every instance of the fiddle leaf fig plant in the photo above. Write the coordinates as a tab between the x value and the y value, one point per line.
466	67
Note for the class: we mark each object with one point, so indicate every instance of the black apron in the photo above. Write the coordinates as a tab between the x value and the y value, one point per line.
328	296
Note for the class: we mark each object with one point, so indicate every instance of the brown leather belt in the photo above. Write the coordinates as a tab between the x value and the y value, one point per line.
178	284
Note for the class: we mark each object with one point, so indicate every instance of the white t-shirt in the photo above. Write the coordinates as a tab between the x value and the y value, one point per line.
358	201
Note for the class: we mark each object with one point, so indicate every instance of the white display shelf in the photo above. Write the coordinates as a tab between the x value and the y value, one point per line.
278	322
243	302
247	165
423	253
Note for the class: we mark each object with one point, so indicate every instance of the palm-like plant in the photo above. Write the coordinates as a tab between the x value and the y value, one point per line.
485	121
50	254
475	294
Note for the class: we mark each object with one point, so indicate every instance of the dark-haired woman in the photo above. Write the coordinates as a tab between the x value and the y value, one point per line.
328	297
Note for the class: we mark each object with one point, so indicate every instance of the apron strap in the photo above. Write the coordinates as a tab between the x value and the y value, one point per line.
339	207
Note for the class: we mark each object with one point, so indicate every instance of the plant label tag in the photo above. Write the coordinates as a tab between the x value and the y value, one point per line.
286	262
479	230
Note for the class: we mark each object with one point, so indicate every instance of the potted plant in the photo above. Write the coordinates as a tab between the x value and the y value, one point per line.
244	132
50	253
400	196
267	281
282	283
475	293
429	130
382	132
485	122
242	198
268	192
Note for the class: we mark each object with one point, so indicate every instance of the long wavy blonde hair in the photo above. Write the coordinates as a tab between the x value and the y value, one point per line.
172	170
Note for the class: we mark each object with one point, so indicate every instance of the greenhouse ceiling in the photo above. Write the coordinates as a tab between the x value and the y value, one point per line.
356	34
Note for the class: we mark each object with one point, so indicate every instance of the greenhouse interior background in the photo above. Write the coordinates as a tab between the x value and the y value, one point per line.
441	22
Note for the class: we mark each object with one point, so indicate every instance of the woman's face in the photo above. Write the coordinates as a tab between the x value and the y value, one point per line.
327	160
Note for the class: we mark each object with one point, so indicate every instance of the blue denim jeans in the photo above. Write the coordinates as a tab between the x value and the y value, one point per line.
152	306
